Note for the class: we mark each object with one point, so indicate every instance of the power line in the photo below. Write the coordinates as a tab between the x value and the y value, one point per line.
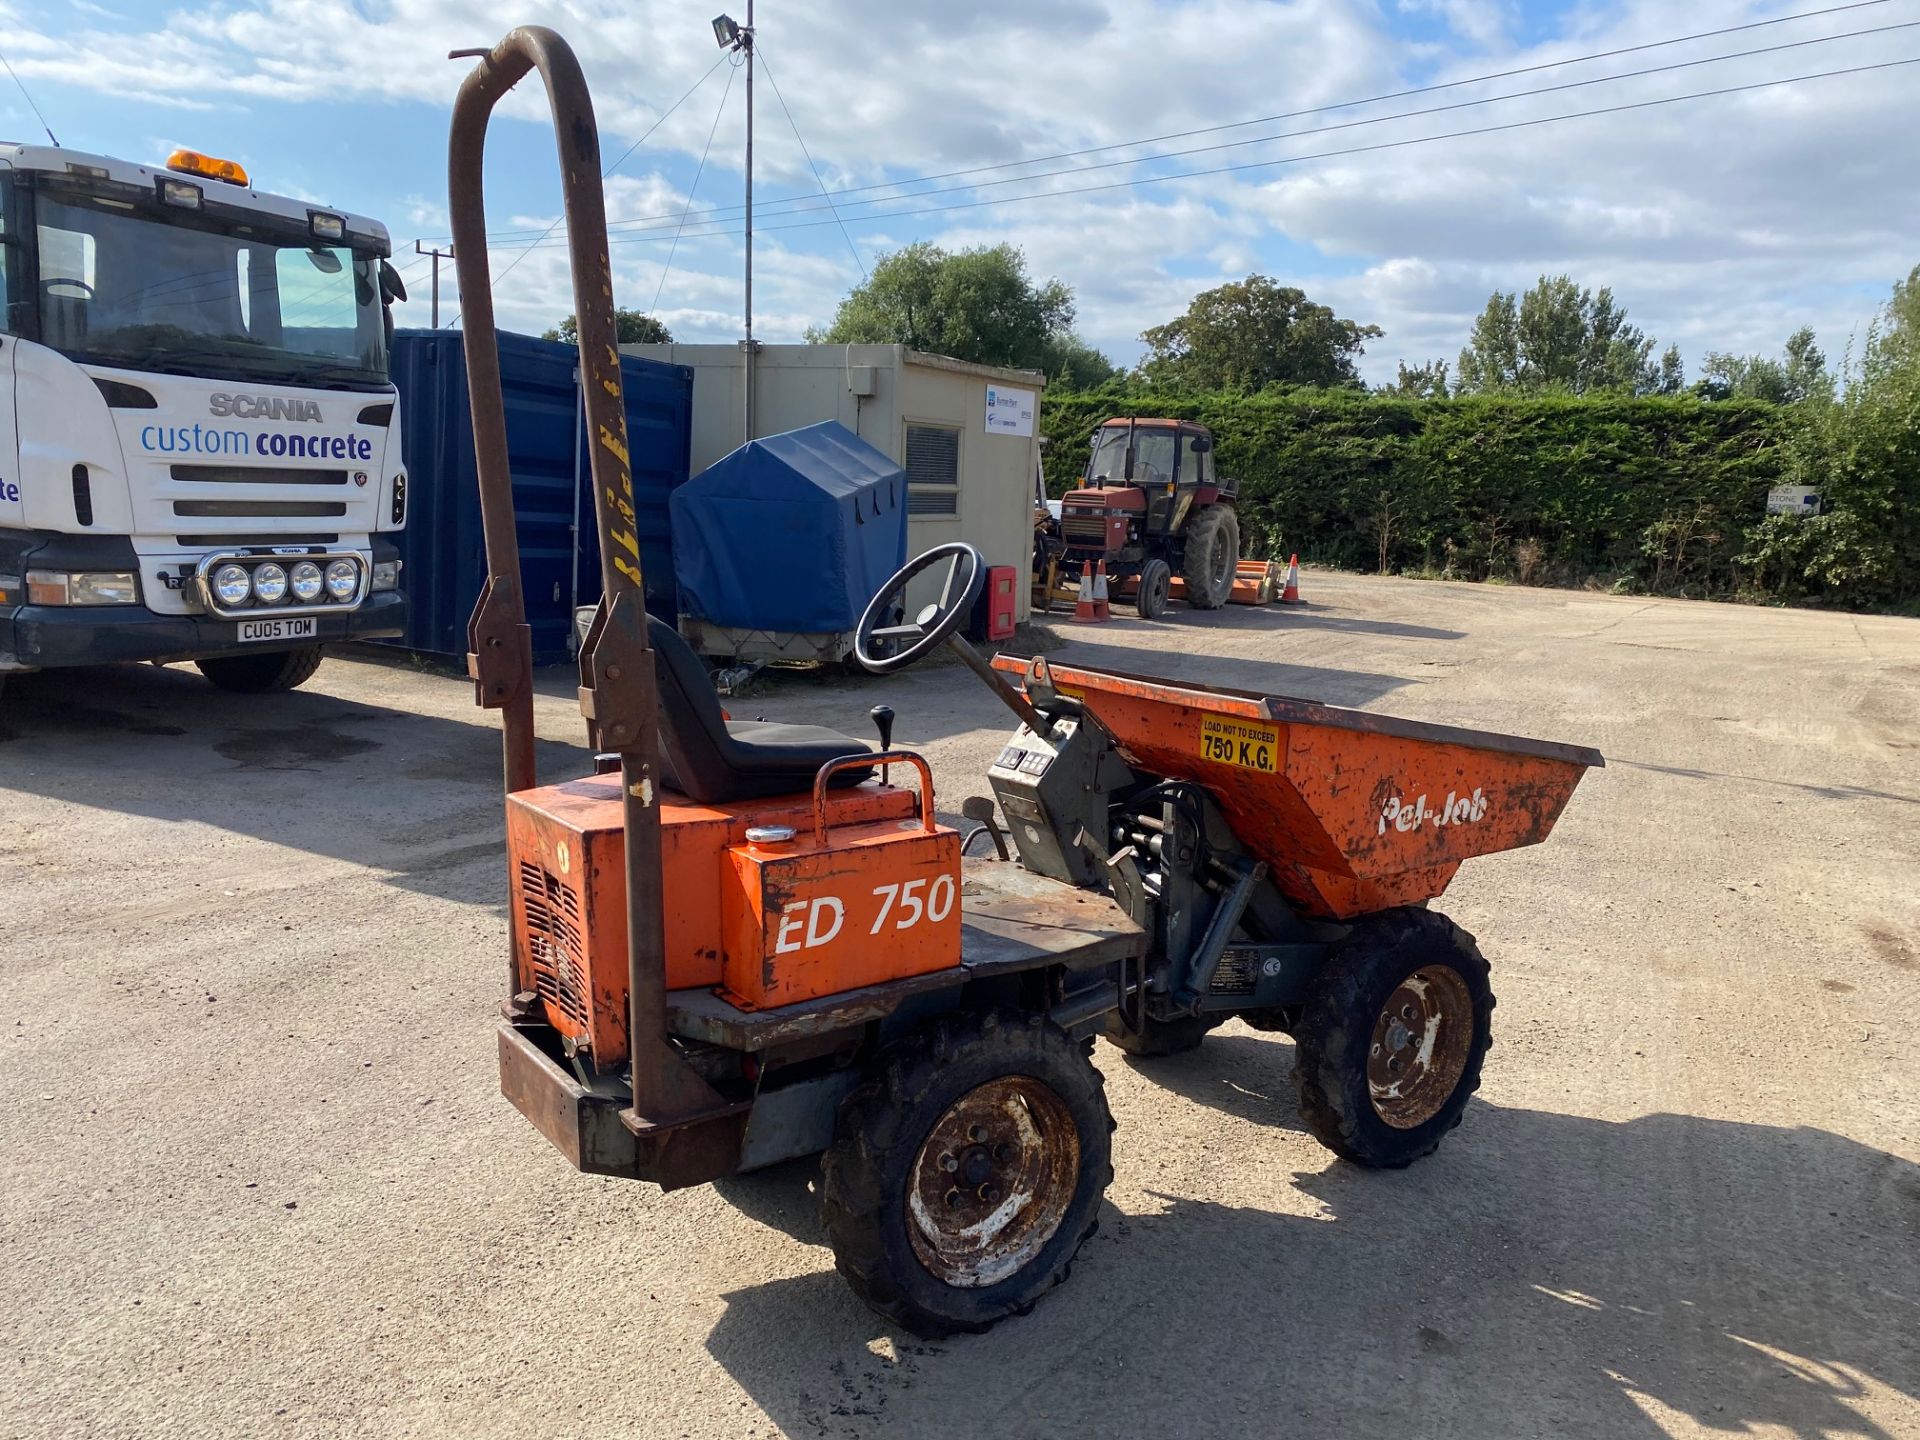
30	100
1371	120
665	115
810	165
1351	104
712	130
716	212
1333	154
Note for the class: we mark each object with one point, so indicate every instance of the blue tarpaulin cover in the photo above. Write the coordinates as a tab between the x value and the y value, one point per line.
792	533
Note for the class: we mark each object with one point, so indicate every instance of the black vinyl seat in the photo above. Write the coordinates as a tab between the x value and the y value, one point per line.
714	760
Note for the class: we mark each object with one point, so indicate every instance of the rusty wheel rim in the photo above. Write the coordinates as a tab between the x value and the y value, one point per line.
992	1182
1421	1041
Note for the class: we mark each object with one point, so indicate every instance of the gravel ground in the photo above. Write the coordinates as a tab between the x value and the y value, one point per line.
259	1181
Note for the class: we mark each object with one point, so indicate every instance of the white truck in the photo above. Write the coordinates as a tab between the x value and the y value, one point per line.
199	442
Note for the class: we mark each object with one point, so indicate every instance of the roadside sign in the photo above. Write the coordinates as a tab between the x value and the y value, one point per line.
1793	500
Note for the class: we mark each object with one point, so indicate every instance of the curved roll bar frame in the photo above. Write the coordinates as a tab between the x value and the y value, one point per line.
617	689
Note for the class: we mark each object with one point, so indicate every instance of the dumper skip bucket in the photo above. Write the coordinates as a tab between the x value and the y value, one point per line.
1352	812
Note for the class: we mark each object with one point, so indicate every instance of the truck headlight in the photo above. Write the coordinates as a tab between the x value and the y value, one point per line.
343	578
231	584
270	583
386	574
89	587
305	580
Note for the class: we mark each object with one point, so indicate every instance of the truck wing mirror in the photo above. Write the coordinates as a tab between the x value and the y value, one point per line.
391	285
1200	444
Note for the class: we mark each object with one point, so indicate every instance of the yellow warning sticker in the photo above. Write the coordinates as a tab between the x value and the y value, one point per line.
1245	743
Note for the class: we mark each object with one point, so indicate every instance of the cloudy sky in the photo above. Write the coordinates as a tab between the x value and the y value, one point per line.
1721	222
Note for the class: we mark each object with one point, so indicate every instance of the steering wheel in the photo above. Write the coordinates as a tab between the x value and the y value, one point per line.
929	629
47	286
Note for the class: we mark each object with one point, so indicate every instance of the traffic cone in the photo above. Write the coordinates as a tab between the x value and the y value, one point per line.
1292	591
1083	605
1100	609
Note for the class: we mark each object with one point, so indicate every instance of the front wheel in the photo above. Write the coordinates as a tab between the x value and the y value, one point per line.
1156	584
967	1171
1390	1043
262	674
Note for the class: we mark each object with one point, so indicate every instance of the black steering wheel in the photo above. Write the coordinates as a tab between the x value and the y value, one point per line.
934	623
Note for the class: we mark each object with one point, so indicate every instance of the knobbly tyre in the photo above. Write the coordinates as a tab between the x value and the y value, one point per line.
814	965
199	442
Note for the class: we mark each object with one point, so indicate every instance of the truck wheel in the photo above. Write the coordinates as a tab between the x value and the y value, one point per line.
1212	552
966	1171
1156	582
262	674
1392	1037
1161	1037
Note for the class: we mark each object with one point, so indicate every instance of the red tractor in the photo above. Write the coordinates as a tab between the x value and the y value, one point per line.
1155	512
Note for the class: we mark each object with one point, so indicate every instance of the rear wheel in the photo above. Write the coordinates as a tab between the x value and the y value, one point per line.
1389	1047
1156	583
262	674
1160	1037
967	1171
1212	552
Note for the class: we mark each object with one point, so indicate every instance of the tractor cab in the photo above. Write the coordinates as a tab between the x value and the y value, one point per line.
1166	459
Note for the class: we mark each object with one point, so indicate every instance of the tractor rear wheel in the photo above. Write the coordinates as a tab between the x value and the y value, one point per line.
967	1171
1160	1037
1212	552
1389	1046
1156	583
262	674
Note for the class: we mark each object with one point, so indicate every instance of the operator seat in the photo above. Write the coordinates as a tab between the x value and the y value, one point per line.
714	760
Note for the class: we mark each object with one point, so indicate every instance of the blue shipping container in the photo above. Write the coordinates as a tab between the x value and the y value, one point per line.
444	554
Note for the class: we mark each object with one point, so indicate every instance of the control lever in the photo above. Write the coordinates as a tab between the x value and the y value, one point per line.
1123	874
882	717
980	808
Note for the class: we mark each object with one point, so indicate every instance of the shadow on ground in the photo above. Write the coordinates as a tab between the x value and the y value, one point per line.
1619	1277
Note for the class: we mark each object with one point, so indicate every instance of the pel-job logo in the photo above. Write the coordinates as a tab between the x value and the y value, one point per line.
263	407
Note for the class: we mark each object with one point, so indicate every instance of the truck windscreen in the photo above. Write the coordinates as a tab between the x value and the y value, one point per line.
139	287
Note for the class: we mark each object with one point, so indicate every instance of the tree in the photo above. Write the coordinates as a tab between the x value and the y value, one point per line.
630	327
1861	454
977	305
1073	364
1421	382
1801	376
1559	336
1251	334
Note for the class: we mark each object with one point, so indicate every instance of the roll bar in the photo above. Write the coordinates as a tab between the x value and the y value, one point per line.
617	682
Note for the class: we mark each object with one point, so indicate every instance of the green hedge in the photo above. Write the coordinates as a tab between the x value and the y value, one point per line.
1657	494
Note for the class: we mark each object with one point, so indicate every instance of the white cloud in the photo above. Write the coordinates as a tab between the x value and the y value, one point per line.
1720	224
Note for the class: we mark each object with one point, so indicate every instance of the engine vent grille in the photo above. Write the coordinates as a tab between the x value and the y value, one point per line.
556	953
1088	525
1237	973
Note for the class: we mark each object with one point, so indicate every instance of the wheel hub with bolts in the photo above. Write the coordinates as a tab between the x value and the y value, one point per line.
993	1180
1421	1041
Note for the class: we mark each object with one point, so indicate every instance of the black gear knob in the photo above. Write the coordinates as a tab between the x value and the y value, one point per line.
882	717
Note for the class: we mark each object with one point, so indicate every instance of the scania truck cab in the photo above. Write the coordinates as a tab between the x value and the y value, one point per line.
199	441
